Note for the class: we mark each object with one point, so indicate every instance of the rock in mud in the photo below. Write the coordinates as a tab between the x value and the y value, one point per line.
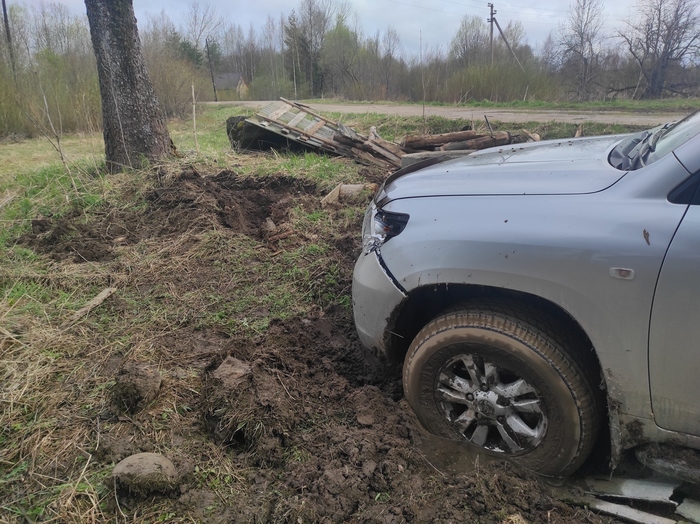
231	373
146	473
136	386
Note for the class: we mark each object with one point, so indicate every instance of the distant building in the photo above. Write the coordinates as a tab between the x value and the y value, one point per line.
231	82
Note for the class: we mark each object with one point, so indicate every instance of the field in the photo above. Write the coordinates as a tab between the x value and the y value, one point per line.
223	340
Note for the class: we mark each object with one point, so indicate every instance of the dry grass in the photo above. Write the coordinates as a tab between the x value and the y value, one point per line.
20	156
56	376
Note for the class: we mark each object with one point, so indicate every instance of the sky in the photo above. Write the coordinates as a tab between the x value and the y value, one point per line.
434	22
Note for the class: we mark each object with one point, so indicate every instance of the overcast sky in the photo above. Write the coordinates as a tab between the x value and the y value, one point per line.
436	21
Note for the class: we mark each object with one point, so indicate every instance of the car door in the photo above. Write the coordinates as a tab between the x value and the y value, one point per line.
674	334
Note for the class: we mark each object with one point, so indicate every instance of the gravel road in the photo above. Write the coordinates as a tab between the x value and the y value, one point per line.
504	115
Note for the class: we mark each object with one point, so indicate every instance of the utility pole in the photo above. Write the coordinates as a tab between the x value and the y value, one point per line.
211	69
490	21
508	45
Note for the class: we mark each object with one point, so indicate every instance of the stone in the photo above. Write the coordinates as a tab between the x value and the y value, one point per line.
146	473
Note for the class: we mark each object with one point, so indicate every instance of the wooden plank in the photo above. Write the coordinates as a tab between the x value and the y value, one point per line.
305	108
279	112
625	512
371	159
390	146
383	152
294	121
650	490
690	509
92	304
314	128
303	135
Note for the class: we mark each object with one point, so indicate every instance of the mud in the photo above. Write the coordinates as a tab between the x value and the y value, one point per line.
301	423
135	386
192	204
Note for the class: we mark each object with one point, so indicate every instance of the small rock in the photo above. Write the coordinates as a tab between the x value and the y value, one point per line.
269	226
146	473
366	419
368	467
232	372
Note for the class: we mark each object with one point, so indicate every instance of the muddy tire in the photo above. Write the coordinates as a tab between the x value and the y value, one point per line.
506	382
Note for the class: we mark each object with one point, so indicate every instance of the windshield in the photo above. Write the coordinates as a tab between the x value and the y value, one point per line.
672	137
644	148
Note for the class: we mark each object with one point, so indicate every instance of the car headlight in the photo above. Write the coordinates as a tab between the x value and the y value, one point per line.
380	226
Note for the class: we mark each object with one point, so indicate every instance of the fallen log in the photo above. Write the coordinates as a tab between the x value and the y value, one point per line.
423	141
498	139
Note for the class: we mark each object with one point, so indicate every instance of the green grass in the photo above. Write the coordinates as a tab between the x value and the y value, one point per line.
397	127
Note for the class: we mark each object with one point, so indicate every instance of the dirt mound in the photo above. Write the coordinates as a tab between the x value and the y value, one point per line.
186	204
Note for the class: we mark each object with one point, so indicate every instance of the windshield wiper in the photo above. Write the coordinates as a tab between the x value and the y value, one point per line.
648	145
624	155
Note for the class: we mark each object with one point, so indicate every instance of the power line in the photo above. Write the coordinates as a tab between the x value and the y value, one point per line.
425	8
508	4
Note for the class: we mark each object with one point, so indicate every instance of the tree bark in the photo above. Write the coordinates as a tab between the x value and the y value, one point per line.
133	123
421	141
8	37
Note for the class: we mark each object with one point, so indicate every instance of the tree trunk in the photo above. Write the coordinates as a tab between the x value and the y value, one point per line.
8	37
133	123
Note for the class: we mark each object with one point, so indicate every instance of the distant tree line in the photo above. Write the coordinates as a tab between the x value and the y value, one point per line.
48	75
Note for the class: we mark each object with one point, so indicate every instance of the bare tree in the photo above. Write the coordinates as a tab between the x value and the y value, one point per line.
316	19
549	54
133	123
202	21
664	35
470	45
391	51
340	61
580	40
270	39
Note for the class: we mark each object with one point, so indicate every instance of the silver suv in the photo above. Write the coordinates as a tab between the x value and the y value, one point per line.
543	294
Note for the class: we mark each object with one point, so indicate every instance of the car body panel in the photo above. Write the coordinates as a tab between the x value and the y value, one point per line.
555	167
675	331
585	237
371	316
568	265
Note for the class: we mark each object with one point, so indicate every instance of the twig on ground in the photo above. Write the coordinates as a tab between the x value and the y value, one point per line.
106	293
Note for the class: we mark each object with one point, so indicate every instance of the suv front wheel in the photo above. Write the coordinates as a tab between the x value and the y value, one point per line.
495	377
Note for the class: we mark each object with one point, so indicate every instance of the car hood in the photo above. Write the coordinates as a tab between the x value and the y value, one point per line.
537	168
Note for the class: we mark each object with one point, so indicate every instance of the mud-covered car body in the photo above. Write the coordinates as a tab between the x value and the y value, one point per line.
600	234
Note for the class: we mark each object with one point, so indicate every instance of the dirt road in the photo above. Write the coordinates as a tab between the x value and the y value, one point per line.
504	115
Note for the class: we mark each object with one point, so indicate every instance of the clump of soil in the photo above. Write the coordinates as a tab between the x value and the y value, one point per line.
135	386
244	404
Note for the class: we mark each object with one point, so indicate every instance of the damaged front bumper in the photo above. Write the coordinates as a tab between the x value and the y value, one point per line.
374	297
